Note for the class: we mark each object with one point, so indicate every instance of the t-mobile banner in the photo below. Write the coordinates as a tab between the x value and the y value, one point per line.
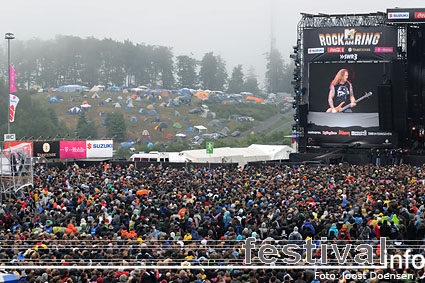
100	148
73	149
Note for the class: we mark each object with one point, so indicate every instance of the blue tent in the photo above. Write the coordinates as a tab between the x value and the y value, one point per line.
142	111
185	119
170	104
185	91
139	105
127	108
157	119
152	112
103	122
150	145
53	100
169	121
133	119
189	129
101	104
60	96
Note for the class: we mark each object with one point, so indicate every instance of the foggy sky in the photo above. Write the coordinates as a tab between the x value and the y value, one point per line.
238	30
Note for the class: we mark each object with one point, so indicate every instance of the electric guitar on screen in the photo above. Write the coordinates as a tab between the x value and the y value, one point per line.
339	108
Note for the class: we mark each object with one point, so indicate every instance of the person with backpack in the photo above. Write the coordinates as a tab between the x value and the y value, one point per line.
295	237
333	232
394	232
307	230
364	232
343	234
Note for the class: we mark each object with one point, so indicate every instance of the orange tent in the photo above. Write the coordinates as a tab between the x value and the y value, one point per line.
134	96
85	102
202	94
252	98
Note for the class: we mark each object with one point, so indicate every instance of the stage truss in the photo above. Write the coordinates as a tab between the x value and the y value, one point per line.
16	169
340	20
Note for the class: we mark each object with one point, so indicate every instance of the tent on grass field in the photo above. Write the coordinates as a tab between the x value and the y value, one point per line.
74	110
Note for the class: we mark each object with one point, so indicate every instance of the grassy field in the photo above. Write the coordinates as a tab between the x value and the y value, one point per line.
146	122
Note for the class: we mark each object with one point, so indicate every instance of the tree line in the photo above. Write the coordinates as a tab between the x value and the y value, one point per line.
90	61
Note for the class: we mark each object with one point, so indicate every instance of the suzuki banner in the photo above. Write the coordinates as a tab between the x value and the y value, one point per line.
350	44
99	148
73	149
404	15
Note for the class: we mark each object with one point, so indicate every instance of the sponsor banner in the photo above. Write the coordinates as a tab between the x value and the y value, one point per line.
336	50
316	50
348	135
99	148
73	149
357	42
46	149
359	133
401	15
25	146
384	49
420	15
408	15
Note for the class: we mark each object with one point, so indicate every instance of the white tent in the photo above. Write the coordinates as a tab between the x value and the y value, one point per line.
242	156
200	128
108	99
138	98
85	106
116	105
95	89
130	105
74	110
95	95
119	97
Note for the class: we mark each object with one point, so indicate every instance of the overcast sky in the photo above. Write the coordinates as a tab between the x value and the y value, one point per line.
238	30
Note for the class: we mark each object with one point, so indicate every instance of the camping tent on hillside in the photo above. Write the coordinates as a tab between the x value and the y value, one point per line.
53	100
74	110
133	119
142	111
108	99
97	88
71	88
95	95
116	105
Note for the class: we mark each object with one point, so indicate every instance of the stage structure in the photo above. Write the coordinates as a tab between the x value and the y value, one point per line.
16	169
356	76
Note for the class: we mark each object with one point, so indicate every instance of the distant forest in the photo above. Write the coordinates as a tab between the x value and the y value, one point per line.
90	61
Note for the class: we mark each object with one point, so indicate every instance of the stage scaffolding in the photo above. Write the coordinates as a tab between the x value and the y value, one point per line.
16	169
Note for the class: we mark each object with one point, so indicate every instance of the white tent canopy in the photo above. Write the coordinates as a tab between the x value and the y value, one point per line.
95	95
242	156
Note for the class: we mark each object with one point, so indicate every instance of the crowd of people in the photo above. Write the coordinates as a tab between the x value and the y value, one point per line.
123	217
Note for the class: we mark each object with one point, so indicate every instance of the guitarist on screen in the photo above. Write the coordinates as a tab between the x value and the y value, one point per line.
341	92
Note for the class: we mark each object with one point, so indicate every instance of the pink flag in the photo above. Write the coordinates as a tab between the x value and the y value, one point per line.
12	80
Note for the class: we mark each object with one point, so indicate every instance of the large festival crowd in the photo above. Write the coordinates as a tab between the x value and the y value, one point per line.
126	216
